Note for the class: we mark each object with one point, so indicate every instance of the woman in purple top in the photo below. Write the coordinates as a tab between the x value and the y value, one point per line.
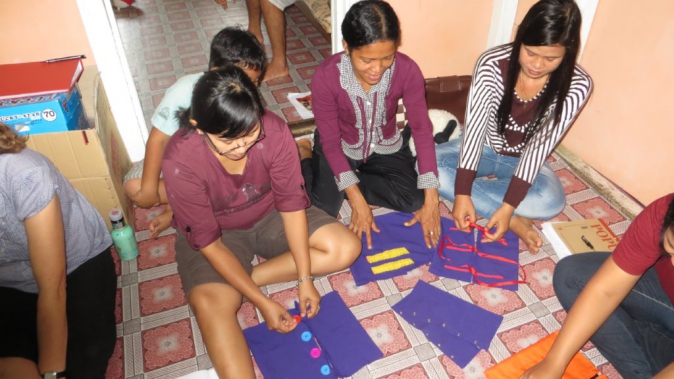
234	183
358	151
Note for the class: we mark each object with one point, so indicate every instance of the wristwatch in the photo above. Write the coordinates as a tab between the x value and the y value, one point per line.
54	375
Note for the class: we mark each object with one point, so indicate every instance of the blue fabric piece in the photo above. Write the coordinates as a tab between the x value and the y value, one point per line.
345	343
458	328
393	234
346	346
286	356
500	270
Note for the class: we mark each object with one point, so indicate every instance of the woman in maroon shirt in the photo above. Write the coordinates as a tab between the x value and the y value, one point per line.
359	152
234	182
622	301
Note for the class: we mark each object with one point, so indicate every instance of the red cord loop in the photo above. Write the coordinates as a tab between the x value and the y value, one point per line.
447	243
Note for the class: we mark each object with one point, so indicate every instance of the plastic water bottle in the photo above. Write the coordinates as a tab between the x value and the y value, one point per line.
123	236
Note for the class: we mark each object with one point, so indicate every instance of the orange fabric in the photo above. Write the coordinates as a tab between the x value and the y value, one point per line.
514	366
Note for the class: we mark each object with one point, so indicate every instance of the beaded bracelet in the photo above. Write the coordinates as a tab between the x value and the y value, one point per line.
303	279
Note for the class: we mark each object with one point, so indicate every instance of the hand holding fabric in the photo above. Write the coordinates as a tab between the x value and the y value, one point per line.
310	299
463	212
501	220
277	317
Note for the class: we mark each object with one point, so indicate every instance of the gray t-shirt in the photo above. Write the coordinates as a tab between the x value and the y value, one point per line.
28	182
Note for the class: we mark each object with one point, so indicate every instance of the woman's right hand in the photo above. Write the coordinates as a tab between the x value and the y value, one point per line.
544	370
277	317
362	220
463	212
160	223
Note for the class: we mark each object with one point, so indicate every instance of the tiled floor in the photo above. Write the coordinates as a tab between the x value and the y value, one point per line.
167	39
158	335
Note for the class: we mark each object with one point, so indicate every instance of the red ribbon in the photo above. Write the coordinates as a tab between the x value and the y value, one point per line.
467	248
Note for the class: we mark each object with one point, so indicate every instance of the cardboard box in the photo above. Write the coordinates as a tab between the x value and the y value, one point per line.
581	236
93	160
50	113
42	97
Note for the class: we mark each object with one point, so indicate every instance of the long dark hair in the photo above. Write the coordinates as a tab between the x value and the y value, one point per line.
370	21
547	23
235	46
225	103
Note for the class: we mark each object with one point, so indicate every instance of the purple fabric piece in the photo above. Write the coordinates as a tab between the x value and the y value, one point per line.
394	234
286	356
344	345
496	271
458	328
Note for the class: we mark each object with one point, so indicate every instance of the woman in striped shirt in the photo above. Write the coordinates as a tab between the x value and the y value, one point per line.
523	99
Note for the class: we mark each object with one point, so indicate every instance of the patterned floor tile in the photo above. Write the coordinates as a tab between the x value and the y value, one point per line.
354	295
495	300
168	344
415	372
474	369
386	332
161	294
599	208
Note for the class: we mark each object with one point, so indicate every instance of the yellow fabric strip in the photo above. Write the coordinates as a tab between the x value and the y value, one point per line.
392	266
388	254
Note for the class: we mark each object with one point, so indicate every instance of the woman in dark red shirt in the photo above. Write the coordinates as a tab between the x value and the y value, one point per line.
234	182
622	301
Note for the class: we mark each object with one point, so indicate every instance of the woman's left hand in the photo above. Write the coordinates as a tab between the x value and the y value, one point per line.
310	299
501	220
429	217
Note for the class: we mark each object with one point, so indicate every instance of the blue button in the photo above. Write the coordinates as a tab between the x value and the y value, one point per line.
306	336
325	370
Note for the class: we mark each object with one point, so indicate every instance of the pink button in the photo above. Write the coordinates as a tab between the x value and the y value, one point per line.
315	352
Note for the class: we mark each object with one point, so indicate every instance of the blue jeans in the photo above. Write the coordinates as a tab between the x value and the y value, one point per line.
544	200
638	338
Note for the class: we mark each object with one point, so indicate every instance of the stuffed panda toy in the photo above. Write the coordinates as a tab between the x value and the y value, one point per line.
445	128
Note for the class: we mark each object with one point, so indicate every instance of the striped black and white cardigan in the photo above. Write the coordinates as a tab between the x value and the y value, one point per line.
486	92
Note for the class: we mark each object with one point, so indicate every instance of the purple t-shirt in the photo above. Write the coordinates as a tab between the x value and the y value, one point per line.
336	116
206	199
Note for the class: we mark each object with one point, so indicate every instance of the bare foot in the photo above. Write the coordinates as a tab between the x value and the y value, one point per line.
524	228
304	146
276	70
160	223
